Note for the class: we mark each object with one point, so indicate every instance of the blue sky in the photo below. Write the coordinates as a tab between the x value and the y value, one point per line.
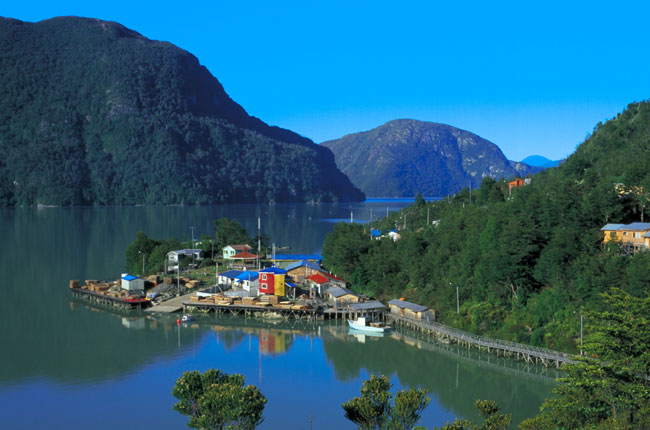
532	77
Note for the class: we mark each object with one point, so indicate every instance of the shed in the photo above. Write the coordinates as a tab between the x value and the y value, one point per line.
248	280
372	305
230	250
228	277
132	283
339	296
410	310
318	283
173	257
300	270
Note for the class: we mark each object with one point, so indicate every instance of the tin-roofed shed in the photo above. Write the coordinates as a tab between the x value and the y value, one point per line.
410	310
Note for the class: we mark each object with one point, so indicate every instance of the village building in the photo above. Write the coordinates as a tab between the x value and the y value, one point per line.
243	260
393	234
231	250
632	237
318	284
248	281
229	277
411	310
300	270
174	257
340	297
375	233
334	280
272	281
369	306
132	283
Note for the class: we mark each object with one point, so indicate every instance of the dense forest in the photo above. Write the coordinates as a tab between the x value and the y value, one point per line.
405	156
94	113
527	263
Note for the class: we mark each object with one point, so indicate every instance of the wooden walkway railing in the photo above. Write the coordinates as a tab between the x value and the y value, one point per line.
521	351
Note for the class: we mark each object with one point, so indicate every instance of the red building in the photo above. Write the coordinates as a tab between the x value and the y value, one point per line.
267	283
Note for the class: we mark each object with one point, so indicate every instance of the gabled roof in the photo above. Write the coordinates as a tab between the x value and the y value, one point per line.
274	270
318	278
243	256
298	257
647	234
231	273
364	306
611	227
247	275
329	275
185	251
337	292
636	226
128	277
304	263
408	305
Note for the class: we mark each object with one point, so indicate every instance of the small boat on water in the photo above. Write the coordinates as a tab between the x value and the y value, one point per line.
364	324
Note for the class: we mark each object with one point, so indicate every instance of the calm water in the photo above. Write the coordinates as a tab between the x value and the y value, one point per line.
65	364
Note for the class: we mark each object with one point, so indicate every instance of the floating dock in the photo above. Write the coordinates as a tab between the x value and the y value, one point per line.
116	302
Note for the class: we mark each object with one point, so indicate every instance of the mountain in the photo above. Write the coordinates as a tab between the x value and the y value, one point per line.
540	161
94	113
404	157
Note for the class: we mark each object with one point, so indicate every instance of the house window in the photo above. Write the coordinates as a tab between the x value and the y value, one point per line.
264	277
625	233
637	235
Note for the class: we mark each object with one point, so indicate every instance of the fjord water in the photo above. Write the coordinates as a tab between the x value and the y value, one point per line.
65	364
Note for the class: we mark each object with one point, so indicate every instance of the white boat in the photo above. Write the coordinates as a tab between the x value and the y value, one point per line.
364	324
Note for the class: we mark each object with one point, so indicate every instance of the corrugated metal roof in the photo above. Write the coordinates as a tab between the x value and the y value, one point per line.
318	278
611	227
186	251
408	305
274	270
364	306
231	273
290	284
302	264
298	257
247	275
636	226
337	291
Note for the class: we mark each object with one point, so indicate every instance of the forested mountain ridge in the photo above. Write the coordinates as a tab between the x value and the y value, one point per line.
94	113
404	157
526	265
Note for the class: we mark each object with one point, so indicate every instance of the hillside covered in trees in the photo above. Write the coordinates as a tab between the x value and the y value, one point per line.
526	265
94	113
404	157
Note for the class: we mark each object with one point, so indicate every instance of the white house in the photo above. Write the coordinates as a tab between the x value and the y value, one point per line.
230	250
248	281
173	257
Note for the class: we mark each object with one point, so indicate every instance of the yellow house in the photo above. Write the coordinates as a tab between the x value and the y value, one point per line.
633	237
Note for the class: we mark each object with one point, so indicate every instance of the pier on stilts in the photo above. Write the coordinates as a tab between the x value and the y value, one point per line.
518	351
110	301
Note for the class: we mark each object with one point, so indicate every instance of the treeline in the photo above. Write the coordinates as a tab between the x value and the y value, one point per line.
93	113
526	263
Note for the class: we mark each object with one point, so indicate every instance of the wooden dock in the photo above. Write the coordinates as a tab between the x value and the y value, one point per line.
170	306
116	302
314	313
518	351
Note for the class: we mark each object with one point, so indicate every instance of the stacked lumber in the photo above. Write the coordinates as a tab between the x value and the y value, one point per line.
168	281
249	301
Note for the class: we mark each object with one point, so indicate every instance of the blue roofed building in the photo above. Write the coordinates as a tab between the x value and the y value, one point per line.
285	260
248	281
228	277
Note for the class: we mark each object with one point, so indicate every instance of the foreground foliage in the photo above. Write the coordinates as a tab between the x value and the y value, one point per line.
216	400
610	389
373	409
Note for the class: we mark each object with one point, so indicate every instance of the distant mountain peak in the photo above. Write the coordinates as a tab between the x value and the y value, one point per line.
404	157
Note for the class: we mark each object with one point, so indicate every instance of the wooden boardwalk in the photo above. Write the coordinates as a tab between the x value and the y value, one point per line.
527	353
116	302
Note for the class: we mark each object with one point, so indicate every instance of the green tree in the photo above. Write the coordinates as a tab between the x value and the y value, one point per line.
230	232
611	388
142	247
373	410
216	400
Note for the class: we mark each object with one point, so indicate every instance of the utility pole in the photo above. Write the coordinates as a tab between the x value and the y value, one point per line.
405	222
428	209
457	300
259	242
351	217
580	333
470	192
386	211
192	227
178	279
371	215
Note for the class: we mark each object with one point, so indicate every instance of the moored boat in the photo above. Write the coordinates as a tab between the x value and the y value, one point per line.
364	324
